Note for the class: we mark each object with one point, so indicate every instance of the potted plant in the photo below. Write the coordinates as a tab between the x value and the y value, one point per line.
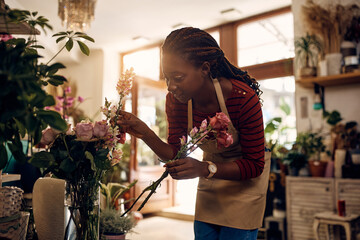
311	144
23	100
295	161
113	224
307	49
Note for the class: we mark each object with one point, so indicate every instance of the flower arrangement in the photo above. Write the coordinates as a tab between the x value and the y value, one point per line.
215	129
81	155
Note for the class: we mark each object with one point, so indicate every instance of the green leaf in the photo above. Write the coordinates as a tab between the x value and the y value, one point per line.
87	38
56	80
3	156
52	69
84	49
67	165
42	159
21	127
49	101
60	38
59	34
69	44
53	119
34	14
16	149
89	156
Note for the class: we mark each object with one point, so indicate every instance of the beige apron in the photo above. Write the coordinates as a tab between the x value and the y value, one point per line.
236	204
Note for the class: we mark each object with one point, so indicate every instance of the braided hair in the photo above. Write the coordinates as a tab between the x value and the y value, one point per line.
198	46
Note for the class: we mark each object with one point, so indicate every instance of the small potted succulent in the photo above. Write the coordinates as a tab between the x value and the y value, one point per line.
115	226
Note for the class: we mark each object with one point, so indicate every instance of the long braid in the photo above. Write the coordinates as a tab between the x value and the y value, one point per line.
198	46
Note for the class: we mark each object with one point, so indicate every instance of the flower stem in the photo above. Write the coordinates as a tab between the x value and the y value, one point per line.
152	189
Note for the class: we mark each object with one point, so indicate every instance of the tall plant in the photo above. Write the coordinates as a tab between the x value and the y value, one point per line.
22	78
307	49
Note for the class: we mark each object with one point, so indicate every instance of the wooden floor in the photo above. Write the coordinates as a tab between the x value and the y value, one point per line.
162	228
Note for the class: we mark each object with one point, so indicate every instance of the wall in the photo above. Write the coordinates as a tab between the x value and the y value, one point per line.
88	76
345	98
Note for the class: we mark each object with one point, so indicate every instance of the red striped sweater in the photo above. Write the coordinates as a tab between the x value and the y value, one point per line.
246	116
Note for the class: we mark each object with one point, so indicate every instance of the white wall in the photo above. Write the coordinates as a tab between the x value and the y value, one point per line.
88	76
344	98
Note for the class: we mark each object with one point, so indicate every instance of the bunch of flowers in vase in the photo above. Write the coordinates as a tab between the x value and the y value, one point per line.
216	129
81	156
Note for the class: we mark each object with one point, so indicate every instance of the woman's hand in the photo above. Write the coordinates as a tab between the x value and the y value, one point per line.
129	123
187	168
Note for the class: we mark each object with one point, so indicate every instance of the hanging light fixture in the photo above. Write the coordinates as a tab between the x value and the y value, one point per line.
76	15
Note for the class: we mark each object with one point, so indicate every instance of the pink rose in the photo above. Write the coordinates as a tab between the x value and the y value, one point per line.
219	122
84	131
48	136
183	140
100	129
224	139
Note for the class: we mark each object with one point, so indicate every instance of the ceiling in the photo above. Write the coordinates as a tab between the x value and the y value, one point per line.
117	22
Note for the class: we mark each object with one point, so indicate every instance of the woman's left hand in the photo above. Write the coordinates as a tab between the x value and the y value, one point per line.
187	168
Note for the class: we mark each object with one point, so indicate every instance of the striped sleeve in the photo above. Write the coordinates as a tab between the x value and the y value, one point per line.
176	113
251	134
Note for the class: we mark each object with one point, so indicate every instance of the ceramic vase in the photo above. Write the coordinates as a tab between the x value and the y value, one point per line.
333	61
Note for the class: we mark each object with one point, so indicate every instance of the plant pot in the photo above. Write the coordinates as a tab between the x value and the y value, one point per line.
307	72
109	236
317	168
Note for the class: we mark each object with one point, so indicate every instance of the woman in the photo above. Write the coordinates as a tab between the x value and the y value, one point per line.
201	81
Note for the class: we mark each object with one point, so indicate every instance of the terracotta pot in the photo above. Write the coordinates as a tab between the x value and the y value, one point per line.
317	168
307	72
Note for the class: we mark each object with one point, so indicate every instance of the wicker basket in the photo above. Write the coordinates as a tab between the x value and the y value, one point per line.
14	227
10	201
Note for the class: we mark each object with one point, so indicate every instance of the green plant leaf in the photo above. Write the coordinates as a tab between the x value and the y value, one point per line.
52	69
56	80
3	156
53	119
16	149
60	38
84	49
21	127
42	159
69	44
89	156
59	34
87	38
67	165
49	101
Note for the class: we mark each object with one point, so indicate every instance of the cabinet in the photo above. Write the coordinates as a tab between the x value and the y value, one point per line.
333	80
306	196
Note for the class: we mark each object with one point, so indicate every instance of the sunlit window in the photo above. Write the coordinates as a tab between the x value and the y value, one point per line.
266	40
146	63
279	102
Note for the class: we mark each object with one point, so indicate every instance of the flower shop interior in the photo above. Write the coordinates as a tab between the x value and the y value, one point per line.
305	54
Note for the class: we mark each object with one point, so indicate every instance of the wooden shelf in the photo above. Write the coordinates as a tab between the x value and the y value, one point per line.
333	80
10	177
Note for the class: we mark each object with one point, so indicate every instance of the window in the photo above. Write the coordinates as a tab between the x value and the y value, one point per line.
266	40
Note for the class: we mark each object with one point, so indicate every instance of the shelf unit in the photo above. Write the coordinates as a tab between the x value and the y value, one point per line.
333	80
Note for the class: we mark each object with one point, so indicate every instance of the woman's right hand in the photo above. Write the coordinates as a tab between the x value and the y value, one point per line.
131	124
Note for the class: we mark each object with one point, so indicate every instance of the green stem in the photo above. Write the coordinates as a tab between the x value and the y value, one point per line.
152	189
56	54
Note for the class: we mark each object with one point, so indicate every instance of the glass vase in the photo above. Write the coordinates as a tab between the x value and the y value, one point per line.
82	210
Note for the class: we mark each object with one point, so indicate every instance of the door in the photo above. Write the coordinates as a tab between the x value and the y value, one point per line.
148	103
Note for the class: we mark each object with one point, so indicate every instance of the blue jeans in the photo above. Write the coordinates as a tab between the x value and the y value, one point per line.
208	231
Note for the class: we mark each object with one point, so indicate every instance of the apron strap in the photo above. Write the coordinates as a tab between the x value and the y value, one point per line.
190	116
221	101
